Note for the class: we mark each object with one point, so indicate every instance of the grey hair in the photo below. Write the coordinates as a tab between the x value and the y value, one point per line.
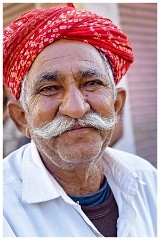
110	73
22	98
107	66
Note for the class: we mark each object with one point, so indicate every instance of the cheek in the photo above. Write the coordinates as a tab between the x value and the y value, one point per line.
101	102
43	109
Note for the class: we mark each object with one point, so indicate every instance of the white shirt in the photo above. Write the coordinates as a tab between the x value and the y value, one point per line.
35	205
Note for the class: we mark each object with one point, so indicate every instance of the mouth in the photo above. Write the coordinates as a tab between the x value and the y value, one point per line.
78	127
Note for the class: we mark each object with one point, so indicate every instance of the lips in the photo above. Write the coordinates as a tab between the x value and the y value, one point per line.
76	127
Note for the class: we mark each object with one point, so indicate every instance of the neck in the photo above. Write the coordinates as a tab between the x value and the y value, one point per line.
79	181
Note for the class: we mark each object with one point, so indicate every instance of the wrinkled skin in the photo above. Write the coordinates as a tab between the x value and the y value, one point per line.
69	78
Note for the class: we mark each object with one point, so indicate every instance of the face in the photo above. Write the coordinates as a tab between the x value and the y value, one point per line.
68	79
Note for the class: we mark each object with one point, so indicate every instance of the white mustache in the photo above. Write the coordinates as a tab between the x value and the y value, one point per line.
62	124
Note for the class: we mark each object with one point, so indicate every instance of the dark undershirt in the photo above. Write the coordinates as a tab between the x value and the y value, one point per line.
104	216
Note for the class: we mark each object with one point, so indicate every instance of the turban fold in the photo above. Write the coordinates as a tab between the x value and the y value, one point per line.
27	36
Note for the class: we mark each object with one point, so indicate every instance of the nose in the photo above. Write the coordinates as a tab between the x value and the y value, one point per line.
73	104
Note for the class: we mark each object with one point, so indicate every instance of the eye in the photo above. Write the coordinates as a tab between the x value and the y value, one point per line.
94	82
92	85
49	90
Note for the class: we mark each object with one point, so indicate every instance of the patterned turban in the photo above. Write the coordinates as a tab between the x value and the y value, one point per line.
27	36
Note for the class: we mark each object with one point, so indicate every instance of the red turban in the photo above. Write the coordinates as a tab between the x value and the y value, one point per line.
27	36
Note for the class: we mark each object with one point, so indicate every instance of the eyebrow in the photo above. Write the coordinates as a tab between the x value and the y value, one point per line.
89	72
50	76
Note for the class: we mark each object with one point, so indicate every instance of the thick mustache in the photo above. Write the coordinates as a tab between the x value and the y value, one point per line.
62	124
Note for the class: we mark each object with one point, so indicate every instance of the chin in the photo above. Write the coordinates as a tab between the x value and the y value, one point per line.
70	154
80	157
79	163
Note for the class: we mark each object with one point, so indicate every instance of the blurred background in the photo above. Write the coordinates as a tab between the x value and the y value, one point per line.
137	130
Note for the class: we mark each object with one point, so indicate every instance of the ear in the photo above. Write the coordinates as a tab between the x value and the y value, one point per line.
18	116
120	100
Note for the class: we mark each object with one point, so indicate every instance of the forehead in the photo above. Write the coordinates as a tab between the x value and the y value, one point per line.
66	48
66	55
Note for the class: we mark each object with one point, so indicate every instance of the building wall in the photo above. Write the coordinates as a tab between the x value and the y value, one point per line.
12	10
139	22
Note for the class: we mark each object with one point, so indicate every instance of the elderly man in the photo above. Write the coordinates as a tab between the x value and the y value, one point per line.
62	66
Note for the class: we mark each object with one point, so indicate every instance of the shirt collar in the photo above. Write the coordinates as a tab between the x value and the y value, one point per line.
120	174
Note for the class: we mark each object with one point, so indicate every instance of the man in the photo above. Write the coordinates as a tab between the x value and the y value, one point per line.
62	65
